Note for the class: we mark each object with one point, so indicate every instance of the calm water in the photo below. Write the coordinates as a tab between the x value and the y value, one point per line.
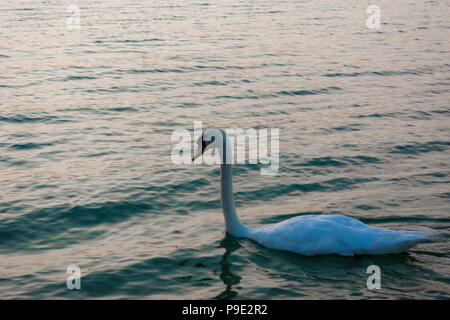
86	118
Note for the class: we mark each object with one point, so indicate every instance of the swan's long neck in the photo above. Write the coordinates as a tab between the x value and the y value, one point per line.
233	225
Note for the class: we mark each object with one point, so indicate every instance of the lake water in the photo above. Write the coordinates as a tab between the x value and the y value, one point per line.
86	117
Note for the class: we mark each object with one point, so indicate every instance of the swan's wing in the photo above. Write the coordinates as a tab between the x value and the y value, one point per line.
328	234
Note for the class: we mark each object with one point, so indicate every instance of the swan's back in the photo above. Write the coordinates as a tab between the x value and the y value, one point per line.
334	234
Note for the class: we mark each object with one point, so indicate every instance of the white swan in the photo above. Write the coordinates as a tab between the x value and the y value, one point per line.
310	234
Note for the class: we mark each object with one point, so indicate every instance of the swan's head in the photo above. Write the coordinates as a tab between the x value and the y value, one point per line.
210	139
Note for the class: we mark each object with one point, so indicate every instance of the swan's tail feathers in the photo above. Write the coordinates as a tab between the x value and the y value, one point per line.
409	239
396	241
419	235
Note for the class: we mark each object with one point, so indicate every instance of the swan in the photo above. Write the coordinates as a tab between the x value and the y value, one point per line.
308	235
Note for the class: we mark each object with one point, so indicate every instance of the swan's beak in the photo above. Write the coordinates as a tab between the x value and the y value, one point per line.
197	154
201	149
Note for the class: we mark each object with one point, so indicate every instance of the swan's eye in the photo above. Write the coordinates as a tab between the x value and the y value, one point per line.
206	143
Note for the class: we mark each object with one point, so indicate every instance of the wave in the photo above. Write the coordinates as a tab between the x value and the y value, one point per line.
309	92
417	148
21	118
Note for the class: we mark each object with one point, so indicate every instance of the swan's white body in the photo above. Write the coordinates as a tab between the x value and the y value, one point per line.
327	234
310	234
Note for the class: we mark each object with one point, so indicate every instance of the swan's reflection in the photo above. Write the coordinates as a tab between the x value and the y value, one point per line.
229	278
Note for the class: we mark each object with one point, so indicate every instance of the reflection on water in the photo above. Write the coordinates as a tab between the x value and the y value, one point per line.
229	278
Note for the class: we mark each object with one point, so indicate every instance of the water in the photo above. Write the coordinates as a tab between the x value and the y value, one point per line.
86	118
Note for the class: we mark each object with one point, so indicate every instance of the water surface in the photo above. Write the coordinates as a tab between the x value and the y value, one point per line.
86	118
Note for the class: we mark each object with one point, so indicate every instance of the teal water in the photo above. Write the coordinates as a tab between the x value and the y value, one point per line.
86	118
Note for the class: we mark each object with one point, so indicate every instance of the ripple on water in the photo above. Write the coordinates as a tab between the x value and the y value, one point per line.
86	175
